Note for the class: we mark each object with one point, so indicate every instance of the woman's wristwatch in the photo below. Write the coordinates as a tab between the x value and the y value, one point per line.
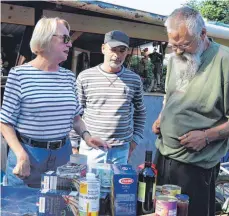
83	133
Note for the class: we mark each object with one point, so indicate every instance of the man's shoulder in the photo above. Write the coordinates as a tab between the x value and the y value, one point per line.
220	52
88	72
224	51
224	58
132	74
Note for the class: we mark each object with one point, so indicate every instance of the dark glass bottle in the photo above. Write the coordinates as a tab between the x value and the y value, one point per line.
146	187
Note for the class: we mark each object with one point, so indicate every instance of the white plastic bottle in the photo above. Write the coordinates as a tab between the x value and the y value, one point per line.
89	195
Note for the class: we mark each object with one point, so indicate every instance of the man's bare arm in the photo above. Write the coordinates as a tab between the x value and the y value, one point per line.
219	132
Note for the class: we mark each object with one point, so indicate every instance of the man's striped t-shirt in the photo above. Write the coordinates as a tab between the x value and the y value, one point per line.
40	104
108	100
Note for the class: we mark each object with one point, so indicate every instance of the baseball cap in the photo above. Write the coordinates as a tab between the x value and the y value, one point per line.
116	38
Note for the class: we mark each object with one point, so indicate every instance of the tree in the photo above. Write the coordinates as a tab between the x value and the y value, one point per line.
193	4
212	10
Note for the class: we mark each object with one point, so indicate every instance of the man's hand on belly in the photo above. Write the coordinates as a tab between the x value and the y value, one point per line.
156	126
195	140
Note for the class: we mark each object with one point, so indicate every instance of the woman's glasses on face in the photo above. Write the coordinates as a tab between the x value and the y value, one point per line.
66	38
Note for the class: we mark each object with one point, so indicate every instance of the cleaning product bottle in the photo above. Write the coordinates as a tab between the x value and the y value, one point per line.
89	195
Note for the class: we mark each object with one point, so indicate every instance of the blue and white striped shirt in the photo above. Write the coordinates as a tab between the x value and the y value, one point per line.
40	104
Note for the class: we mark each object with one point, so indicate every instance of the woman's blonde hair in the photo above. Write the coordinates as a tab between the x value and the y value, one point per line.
43	32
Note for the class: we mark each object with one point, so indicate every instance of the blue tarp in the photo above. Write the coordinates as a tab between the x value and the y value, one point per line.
18	201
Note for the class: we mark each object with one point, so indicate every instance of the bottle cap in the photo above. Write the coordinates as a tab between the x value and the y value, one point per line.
149	156
182	197
78	159
90	176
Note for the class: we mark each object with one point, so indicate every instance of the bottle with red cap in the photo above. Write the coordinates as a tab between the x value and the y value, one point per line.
146	186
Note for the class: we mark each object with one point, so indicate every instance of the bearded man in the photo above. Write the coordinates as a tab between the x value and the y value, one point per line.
193	125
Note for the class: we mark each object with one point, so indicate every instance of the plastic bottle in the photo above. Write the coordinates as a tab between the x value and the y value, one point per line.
89	195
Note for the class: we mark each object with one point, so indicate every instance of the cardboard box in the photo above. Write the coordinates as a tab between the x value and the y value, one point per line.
50	181
57	203
66	177
124	191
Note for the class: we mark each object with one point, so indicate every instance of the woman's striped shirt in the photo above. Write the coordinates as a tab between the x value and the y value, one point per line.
40	104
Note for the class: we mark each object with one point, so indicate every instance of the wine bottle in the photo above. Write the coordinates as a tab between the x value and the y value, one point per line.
146	187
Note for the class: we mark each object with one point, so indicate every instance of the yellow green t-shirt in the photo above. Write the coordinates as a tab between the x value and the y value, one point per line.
204	105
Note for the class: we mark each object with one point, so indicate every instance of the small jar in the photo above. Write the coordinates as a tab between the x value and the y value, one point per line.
157	193
182	204
171	190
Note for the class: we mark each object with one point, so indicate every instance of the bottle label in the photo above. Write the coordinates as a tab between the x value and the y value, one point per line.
141	191
89	194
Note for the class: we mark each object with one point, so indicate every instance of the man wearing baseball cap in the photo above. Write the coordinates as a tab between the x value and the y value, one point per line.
116	38
107	93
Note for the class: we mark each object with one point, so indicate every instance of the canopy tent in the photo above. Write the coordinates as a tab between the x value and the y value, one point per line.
220	33
100	17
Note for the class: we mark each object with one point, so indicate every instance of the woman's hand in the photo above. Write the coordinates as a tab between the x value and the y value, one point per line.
95	142
22	168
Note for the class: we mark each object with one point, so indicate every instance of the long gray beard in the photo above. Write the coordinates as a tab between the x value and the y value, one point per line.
186	67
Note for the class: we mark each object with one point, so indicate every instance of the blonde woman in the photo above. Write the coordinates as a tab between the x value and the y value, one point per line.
39	107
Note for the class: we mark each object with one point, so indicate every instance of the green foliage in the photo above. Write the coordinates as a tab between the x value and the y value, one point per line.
193	4
137	65
212	10
144	68
134	64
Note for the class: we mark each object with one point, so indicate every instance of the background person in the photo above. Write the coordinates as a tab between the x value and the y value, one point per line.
156	60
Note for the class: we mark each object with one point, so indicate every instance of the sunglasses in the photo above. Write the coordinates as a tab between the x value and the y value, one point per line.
66	38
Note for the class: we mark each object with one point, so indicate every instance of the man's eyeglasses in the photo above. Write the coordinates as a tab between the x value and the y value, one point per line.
66	38
182	47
